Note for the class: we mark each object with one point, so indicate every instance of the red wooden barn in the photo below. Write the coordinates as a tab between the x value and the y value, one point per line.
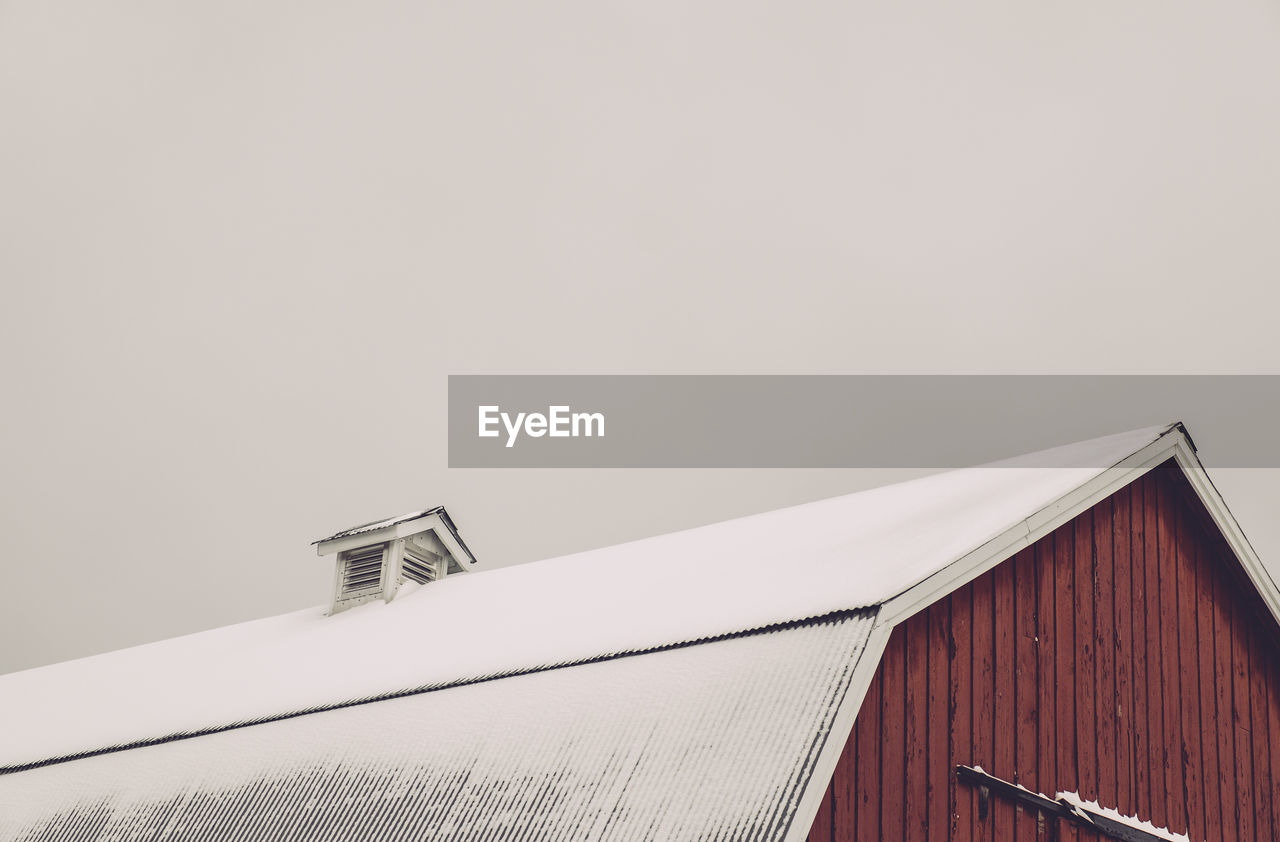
1125	651
1079	644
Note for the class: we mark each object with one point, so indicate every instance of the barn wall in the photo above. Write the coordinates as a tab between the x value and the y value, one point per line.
1123	657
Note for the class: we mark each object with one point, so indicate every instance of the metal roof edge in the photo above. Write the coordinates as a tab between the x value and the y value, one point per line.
1193	469
841	727
829	617
1034	527
384	523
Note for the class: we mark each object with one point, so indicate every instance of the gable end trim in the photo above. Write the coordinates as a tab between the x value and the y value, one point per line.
1025	533
1173	446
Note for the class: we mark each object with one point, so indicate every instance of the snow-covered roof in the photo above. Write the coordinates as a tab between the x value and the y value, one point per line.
712	741
374	526
802	562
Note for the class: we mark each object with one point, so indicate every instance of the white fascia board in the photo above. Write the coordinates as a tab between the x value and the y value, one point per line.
459	553
1003	546
838	737
378	536
352	542
1226	522
436	525
418	524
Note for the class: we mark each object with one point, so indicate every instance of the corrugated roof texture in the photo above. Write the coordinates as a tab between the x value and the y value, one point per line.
715	740
380	524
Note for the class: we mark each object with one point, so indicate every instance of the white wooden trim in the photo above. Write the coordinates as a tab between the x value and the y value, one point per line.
1226	522
355	542
428	523
429	543
392	560
1174	445
337	586
443	535
385	533
418	524
1025	533
841	727
459	553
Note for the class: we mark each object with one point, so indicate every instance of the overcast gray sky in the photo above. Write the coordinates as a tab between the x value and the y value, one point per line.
243	244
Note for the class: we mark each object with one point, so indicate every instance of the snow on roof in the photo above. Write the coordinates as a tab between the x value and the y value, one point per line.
373	526
712	741
802	562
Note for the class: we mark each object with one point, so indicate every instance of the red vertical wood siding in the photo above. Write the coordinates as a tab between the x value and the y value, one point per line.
1124	657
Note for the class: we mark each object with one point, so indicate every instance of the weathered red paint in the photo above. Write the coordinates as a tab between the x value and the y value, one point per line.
1124	657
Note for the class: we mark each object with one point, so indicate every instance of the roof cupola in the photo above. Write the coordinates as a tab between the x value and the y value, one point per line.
375	559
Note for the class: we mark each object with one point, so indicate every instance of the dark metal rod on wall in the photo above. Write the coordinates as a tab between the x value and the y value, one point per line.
1062	809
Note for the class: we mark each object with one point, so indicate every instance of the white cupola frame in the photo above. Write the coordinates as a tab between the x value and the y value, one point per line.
373	560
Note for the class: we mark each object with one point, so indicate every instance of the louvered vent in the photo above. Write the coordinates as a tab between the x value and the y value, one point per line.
362	569
375	559
420	566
